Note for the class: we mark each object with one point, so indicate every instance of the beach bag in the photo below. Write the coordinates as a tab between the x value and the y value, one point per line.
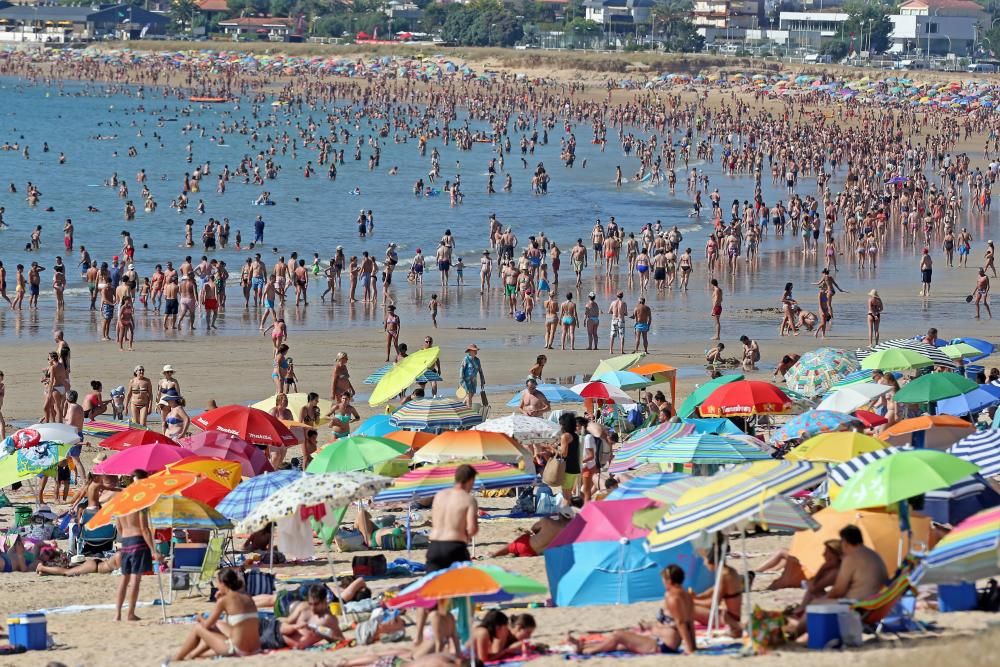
851	628
545	502
767	629
393	540
554	472
369	566
525	503
989	597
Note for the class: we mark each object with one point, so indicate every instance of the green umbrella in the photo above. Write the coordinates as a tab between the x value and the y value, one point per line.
619	363
896	359
934	387
359	452
900	476
698	396
959	350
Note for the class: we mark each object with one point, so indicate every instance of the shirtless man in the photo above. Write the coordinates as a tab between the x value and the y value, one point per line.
592	315
3	284
136	551
308	623
280	270
34	284
551	307
485	271
454	522
570	321
188	295
56	387
982	293
597	238
74	418
156	288
509	276
534	540
443	257
258	276
578	255
209	298
170	303
618	310
533	402
107	308
643	316
716	308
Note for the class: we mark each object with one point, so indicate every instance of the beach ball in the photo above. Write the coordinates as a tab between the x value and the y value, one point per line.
519	316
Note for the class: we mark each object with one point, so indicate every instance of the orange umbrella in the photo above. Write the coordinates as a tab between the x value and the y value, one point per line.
939	431
880	531
226	473
140	495
470	445
659	373
415	439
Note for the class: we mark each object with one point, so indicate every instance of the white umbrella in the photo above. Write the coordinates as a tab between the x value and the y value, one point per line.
521	427
853	396
64	434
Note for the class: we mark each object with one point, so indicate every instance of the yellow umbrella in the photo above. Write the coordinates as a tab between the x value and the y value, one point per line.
226	473
835	447
295	403
402	375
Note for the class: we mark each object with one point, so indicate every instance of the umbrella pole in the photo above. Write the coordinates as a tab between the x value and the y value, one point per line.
747	594
714	610
472	644
159	582
270	558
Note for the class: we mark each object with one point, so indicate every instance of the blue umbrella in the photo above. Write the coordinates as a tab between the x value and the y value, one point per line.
970	402
713	426
702	449
637	486
241	501
960	500
985	347
981	448
554	393
375	426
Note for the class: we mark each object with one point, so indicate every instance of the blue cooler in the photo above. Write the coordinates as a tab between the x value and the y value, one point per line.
28	630
823	625
957	597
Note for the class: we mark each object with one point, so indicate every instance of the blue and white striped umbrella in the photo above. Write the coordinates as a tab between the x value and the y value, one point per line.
248	494
934	354
702	449
839	474
435	415
981	448
638	486
553	393
426	376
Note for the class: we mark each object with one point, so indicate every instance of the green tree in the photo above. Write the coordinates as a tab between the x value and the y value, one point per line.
871	21
584	28
836	49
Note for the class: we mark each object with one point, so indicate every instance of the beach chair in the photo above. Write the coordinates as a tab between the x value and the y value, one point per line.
876	610
97	541
213	559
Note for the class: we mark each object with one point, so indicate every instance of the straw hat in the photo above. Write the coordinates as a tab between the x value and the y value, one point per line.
873	293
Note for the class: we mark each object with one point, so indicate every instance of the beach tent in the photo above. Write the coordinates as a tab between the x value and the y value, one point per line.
600	558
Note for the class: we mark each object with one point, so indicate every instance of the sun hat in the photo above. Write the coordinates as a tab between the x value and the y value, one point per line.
168	368
472	348
169	395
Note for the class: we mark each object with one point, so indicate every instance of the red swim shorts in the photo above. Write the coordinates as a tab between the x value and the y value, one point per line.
521	547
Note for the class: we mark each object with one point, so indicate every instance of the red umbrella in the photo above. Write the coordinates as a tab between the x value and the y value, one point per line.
745	398
228	448
135	437
601	391
255	426
870	419
150	458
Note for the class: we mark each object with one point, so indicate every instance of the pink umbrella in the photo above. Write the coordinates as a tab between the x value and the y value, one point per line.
228	448
606	520
151	458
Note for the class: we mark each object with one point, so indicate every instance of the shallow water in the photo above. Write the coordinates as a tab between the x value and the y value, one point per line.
323	217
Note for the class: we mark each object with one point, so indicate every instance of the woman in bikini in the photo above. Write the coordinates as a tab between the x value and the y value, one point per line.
166	383
788	316
280	370
176	421
139	396
875	307
341	377
238	635
342	415
126	323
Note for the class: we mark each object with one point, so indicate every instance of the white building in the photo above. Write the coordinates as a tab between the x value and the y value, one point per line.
937	26
812	29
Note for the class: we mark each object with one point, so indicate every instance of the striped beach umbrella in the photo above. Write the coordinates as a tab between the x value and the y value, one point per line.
652	436
702	449
553	393
981	448
839	474
426	376
814	422
901	476
960	500
426	481
637	487
969	552
937	357
732	496
435	414
818	370
464	445
181	512
251	492
863	375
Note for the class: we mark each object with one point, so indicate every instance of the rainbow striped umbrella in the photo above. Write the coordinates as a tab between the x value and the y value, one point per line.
470	444
652	436
435	414
482	583
425	482
969	552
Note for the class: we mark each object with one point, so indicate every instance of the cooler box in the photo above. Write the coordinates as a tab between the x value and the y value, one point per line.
957	597
823	625
27	630
189	556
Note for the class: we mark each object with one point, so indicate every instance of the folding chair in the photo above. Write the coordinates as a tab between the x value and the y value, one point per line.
96	541
876	610
211	563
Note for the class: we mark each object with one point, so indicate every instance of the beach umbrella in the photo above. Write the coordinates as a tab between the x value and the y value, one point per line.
971	551
901	476
135	437
553	393
219	471
655	371
337	490
852	397
624	380
744	399
835	447
296	402
652	436
600	558
228	448
960	500
63	434
452	445
376	425
28	462
880	532
690	405
251	492
358	452
863	375
426	481
412	439
426	376
601	391
981	448
637	487
405	373
934	387
151	458
619	363
818	370
985	347
937	357
870	419
522	428
140	495
962	351
840	473
435	414
814	422
730	497
475	582
896	359
983	396
932	431
255	426
183	512
702	449
713	425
